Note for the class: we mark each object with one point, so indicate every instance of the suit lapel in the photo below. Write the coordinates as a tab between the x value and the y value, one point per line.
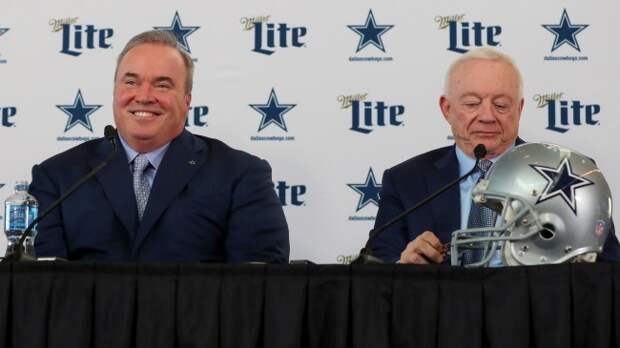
115	179
447	207
181	161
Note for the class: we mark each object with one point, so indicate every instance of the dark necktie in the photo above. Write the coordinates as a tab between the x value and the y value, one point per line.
479	216
141	185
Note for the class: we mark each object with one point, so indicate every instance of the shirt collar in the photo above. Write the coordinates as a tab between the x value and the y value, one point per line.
466	163
154	156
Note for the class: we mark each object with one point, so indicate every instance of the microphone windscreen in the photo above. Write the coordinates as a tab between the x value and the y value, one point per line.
480	151
109	132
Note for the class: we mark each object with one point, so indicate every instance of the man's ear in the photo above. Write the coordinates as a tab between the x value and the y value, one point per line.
188	100
444	105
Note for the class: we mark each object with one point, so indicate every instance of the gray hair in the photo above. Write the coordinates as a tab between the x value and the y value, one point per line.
486	53
165	38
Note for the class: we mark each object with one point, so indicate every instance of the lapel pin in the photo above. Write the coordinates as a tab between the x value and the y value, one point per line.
192	162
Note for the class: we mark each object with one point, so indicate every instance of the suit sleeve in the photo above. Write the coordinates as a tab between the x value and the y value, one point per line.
391	242
257	228
50	239
611	249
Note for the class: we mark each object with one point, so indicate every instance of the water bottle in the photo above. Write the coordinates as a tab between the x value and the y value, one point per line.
20	209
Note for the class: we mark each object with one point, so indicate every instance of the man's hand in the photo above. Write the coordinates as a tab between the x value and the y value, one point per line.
425	249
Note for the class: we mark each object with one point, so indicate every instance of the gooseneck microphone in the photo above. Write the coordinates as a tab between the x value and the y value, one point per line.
18	254
366	257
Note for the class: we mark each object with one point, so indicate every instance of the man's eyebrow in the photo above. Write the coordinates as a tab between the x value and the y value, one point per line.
130	74
164	79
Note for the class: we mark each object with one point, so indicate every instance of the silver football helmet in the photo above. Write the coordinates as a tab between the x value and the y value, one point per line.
553	206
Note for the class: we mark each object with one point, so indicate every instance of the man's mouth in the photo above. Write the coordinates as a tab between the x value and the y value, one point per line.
142	113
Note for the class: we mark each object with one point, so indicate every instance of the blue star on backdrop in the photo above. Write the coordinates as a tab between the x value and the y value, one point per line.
181	32
78	112
3	30
561	181
370	33
368	191
1	186
272	112
565	32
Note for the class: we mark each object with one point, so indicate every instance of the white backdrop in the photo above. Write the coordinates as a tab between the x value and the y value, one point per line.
318	155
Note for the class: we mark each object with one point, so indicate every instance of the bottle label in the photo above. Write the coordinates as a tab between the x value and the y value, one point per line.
17	216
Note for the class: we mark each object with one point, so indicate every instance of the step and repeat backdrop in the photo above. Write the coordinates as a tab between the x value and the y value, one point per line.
331	94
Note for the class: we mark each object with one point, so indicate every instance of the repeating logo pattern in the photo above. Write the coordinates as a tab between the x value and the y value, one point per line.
366	115
562	114
368	191
370	33
269	36
565	33
180	31
77	37
464	35
79	112
272	112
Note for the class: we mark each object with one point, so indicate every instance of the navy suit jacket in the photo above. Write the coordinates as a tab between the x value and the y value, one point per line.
208	202
408	183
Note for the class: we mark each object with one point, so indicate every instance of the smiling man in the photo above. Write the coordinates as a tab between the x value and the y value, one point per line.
482	102
167	195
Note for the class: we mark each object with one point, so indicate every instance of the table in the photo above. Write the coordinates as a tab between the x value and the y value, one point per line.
210	305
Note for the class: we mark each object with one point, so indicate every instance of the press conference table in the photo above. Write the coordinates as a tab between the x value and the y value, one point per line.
207	305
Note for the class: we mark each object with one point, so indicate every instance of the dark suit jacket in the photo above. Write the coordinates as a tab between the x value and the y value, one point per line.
407	183
208	202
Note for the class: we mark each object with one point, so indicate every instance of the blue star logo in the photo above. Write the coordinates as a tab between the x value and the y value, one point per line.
370	33
180	32
272	112
562	182
565	32
78	112
368	191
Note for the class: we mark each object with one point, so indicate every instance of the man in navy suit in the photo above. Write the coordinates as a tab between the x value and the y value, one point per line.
167	195
482	103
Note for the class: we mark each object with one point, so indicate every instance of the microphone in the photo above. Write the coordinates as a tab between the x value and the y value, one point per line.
18	254
109	132
366	257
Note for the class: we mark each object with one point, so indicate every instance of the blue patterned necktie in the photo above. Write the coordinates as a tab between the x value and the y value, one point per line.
479	216
141	185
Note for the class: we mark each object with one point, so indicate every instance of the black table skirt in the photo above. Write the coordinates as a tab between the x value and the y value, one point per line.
127	305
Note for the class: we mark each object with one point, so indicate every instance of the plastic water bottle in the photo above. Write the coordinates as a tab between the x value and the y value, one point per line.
20	209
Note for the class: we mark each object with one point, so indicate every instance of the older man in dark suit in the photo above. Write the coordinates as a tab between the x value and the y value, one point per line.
482	103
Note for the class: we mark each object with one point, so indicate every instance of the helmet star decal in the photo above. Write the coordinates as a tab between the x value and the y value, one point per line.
561	181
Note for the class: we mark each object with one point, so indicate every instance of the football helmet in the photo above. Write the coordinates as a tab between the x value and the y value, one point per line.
553	206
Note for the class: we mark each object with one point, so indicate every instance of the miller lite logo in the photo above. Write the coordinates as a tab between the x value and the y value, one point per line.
79	37
269	36
196	116
465	35
366	115
562	113
7	113
290	194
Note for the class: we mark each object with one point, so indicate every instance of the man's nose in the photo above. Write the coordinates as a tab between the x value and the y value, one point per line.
144	94
486	112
